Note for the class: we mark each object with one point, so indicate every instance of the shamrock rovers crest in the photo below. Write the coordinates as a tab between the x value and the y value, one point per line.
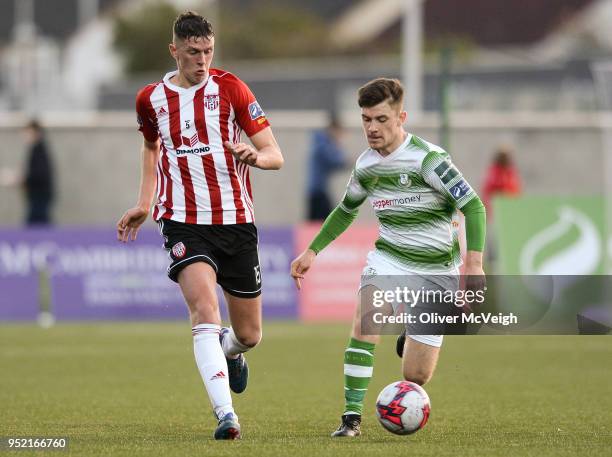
404	180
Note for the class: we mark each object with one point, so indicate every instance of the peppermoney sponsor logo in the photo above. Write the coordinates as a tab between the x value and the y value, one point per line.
391	202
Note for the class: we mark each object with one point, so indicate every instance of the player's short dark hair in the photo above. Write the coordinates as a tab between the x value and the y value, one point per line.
379	90
191	25
35	125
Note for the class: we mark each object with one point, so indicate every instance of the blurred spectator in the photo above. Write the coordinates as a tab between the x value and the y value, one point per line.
502	178
325	158
38	176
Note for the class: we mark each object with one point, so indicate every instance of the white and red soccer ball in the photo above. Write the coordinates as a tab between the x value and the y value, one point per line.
403	407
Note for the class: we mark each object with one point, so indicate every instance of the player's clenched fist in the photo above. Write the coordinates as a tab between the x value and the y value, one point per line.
129	224
301	265
243	152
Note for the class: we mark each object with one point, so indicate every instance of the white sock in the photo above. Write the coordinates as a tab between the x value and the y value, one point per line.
213	367
231	346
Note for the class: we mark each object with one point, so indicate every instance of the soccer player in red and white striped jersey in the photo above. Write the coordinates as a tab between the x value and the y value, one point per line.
197	169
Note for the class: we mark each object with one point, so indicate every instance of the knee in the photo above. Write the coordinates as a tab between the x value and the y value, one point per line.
250	339
418	376
204	312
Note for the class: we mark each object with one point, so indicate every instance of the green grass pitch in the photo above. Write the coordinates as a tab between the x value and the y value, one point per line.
132	389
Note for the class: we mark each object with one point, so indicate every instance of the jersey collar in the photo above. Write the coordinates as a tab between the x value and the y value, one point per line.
180	89
405	143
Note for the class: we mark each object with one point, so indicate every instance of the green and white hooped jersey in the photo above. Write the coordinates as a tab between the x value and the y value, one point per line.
414	191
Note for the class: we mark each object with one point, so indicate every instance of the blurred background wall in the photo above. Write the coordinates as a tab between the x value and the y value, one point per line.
98	162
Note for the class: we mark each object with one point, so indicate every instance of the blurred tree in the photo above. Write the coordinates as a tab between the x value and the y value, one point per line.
266	29
142	38
270	29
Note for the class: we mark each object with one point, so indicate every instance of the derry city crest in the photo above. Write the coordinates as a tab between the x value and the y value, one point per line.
211	102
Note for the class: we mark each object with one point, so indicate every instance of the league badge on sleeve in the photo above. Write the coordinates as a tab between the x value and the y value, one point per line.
460	190
255	110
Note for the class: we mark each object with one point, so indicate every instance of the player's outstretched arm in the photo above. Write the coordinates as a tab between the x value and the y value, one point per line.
265	152
336	223
133	218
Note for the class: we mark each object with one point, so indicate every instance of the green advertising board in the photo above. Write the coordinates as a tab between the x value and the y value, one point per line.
549	235
551	263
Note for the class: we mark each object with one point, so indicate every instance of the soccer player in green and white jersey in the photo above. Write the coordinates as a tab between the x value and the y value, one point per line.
414	190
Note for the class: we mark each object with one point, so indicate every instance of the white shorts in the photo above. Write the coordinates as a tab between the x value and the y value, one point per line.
384	273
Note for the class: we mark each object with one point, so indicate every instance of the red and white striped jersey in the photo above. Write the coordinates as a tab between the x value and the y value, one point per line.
198	180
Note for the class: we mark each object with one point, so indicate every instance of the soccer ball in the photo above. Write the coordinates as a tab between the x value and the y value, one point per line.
403	407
